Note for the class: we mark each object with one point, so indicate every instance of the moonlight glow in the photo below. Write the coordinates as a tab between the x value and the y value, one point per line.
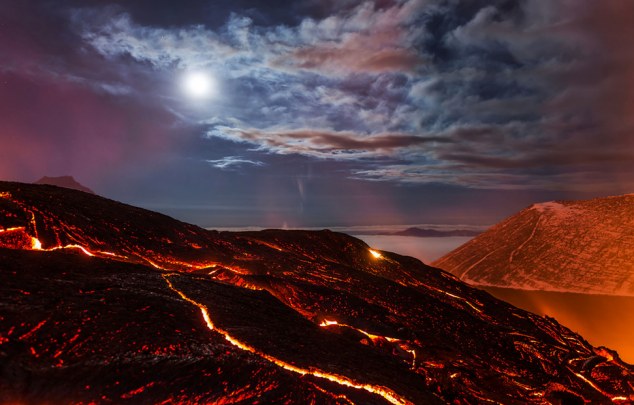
199	85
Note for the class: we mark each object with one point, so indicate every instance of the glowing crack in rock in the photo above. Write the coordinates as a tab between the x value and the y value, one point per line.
384	392
597	388
326	322
373	337
16	228
37	245
330	394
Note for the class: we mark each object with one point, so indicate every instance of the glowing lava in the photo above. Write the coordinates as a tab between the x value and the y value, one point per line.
385	392
376	254
368	334
373	337
36	244
16	228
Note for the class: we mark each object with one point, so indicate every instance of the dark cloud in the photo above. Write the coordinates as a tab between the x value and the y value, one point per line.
473	94
545	160
325	144
352	59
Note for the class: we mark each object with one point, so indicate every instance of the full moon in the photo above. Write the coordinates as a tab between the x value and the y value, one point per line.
199	85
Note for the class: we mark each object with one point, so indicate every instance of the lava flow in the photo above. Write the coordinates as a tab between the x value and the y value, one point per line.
375	338
386	393
291	314
327	322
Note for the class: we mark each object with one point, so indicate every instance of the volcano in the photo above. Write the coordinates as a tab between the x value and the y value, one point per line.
568	246
64	181
102	302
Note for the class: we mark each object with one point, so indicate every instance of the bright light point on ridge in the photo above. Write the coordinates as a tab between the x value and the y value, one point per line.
375	254
199	85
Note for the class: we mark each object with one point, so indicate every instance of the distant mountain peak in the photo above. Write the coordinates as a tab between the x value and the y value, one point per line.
64	181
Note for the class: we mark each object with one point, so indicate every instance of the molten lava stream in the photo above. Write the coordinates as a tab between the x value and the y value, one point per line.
326	323
16	228
613	398
385	392
373	337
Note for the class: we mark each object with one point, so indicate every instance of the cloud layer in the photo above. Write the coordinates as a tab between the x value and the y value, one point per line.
483	94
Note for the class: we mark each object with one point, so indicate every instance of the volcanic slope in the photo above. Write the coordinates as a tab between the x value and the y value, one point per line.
570	246
103	302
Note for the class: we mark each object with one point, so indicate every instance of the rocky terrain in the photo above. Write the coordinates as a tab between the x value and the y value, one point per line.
569	246
101	302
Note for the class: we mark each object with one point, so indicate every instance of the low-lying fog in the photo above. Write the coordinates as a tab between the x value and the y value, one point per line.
425	249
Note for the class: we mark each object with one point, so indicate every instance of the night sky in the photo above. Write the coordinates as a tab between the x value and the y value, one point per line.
321	112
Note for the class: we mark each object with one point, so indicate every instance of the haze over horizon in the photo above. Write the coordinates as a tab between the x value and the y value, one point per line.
321	113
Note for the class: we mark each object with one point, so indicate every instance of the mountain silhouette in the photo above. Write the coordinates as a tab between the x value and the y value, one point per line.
64	181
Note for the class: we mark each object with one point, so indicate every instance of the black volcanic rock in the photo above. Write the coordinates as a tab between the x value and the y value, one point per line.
64	181
113	331
570	246
106	301
167	311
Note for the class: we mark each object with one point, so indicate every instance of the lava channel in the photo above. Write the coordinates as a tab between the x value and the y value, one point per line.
384	392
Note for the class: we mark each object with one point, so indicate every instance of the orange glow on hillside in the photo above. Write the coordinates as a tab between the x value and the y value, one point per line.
376	254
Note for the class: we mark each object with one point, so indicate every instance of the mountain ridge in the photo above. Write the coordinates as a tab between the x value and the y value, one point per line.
584	246
421	232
